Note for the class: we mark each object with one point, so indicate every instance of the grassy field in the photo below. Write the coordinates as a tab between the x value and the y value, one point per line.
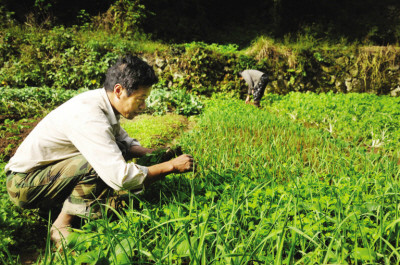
277	185
266	191
359	119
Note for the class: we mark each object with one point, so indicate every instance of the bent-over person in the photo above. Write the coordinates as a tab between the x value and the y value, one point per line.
256	82
77	155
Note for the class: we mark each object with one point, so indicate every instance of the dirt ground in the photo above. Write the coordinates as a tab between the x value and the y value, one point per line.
10	139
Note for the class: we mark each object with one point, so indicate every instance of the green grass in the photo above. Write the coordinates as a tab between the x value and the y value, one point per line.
359	119
155	131
266	191
102	38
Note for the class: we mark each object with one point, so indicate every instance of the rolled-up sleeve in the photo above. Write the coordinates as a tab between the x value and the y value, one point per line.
97	143
124	137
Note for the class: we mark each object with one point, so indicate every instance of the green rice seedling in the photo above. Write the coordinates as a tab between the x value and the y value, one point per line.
361	119
326	160
155	131
266	191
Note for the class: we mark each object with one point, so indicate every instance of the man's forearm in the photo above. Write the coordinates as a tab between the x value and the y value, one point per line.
158	171
181	164
138	151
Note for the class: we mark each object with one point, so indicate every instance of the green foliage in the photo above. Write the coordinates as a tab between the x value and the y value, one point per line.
30	108
203	69
155	131
10	131
61	58
159	156
128	16
48	97
266	189
66	58
32	101
179	101
8	47
361	119
245	62
376	23
43	5
78	57
313	65
5	17
225	49
17	227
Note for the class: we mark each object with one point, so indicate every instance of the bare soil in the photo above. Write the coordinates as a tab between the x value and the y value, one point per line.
9	138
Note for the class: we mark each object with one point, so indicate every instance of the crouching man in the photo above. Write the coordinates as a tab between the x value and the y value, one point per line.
77	154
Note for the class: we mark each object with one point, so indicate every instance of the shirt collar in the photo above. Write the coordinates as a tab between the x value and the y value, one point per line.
114	118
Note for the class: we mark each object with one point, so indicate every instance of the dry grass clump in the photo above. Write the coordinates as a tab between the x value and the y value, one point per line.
374	63
265	48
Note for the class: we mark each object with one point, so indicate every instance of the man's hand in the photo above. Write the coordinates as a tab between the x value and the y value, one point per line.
182	164
248	100
171	153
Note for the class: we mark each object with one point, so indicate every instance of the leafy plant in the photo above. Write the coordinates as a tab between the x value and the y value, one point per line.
33	101
362	119
177	101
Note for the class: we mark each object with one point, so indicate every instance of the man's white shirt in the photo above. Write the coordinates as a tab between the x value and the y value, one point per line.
84	125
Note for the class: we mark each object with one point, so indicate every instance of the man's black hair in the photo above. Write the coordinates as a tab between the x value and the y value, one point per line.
130	72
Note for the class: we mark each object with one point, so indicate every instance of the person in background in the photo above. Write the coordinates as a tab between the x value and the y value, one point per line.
256	82
77	155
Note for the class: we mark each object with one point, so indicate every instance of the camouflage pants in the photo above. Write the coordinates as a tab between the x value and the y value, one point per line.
72	183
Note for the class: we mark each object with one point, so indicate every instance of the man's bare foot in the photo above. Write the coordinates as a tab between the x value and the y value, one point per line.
61	228
57	234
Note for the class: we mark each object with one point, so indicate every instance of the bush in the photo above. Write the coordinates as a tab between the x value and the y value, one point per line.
162	101
61	57
32	101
